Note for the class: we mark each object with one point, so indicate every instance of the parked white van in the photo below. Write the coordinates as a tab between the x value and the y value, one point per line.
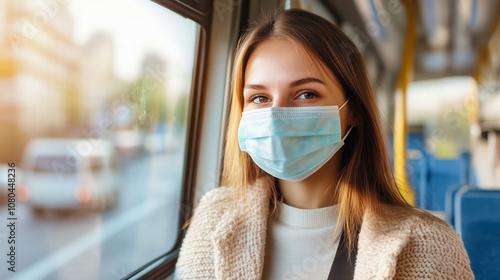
71	174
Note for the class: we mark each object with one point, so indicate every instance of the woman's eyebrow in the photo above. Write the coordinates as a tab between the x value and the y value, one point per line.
292	84
305	81
252	86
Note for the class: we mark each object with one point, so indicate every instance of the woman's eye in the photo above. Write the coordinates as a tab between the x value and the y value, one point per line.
308	95
260	99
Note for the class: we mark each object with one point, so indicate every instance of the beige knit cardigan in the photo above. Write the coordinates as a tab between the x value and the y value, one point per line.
226	240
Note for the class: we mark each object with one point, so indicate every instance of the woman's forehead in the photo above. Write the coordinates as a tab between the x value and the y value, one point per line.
285	59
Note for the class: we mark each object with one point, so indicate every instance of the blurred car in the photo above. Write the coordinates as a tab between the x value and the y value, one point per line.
129	142
71	174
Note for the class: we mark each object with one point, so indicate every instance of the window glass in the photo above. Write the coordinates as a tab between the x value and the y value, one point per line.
93	109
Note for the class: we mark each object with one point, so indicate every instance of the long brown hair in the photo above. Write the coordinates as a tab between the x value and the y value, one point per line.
366	179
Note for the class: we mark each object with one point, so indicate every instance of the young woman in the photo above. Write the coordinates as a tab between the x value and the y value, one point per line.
308	188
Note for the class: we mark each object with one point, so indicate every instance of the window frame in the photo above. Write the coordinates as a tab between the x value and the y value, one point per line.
200	13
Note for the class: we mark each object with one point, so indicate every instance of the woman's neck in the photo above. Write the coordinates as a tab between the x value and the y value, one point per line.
316	191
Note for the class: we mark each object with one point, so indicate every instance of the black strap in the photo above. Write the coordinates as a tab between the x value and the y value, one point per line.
343	267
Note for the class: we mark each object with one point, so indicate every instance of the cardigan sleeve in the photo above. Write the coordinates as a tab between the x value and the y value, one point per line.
434	251
196	259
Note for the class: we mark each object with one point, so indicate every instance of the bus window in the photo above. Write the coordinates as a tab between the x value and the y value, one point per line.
93	113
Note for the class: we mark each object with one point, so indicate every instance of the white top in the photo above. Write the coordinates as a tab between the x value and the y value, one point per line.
300	243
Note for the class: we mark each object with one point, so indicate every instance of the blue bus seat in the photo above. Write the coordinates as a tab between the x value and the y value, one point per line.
443	174
431	178
477	216
416	141
416	170
450	203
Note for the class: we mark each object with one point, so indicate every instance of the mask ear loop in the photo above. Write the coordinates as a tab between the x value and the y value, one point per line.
345	136
344	104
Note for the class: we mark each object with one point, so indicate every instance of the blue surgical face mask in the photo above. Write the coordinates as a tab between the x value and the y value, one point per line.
291	143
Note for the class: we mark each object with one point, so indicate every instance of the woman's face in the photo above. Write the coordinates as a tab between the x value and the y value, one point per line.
280	74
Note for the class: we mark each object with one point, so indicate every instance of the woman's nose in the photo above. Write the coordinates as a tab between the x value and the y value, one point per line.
282	100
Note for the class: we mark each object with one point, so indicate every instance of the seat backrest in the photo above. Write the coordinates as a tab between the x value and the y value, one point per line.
443	174
450	204
477	220
416	170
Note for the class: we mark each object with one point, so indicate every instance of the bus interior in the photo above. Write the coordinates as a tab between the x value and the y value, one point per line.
151	80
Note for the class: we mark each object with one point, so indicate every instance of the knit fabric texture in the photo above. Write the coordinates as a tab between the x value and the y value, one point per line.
226	240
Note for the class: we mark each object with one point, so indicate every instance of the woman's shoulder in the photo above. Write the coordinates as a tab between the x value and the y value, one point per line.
228	196
217	196
428	241
415	220
229	202
408	215
197	246
417	223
